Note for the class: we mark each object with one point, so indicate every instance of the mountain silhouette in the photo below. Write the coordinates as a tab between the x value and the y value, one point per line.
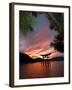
24	58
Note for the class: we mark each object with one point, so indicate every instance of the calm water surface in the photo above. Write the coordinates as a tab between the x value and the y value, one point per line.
42	69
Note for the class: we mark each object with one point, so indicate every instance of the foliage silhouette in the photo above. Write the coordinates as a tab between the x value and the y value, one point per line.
26	21
57	23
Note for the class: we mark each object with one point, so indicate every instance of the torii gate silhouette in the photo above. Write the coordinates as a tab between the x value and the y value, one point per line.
46	55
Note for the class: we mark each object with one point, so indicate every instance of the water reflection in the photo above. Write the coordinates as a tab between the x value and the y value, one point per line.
42	69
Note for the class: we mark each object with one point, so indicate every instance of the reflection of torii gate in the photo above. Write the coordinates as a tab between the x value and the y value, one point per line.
46	55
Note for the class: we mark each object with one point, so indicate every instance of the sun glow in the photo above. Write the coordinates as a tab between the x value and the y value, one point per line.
38	52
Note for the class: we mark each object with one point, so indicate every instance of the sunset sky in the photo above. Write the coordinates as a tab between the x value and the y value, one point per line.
38	41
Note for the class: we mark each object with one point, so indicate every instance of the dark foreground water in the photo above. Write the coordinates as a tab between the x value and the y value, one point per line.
42	69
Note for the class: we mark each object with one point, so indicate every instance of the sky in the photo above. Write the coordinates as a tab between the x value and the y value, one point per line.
37	42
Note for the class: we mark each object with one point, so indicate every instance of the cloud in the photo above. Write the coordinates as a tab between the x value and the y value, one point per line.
38	41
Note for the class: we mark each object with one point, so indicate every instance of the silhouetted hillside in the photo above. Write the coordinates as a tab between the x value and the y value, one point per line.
58	58
24	58
38	59
53	59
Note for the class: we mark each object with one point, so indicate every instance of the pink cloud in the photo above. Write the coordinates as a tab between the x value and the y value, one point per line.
38	41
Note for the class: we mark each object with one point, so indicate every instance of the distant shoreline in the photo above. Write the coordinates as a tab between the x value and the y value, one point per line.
47	60
27	59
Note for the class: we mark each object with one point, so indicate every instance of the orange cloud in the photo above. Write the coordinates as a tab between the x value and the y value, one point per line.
39	52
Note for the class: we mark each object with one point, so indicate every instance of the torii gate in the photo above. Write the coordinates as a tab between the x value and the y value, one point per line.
46	55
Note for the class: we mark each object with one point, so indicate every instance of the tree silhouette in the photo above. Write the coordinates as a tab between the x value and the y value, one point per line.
58	42
26	21
57	23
